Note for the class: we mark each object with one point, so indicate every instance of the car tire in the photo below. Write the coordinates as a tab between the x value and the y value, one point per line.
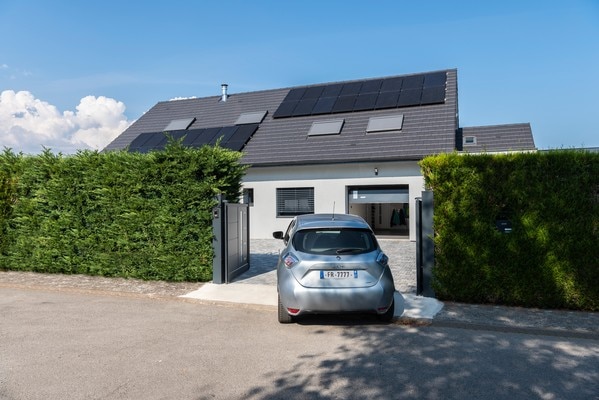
284	317
387	316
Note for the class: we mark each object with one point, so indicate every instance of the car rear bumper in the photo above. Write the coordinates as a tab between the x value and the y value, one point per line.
376	298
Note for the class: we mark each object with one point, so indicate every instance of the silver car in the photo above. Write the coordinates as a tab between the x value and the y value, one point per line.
332	263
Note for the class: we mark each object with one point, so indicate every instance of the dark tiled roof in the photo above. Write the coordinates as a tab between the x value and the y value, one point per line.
208	112
427	129
496	138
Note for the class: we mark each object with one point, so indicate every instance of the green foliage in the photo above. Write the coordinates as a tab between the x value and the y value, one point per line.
551	258
122	214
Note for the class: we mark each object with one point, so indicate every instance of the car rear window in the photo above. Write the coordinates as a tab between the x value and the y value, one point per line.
334	241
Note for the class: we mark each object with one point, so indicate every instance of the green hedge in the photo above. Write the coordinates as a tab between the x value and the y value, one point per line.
551	258
121	214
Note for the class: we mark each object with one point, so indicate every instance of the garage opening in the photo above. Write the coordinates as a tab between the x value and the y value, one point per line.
385	208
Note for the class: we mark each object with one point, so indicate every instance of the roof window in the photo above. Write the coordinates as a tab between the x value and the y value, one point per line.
179	124
251	118
469	140
385	124
328	127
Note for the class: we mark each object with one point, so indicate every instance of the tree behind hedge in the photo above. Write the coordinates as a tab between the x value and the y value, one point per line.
551	257
122	214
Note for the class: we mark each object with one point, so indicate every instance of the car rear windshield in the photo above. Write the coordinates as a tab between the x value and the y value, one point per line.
334	241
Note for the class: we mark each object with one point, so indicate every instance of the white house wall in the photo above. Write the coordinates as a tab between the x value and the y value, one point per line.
330	183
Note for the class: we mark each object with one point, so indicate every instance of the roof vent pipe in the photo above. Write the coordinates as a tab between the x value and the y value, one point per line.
224	87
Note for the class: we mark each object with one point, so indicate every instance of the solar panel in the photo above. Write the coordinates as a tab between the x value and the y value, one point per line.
413	82
409	97
139	141
324	105
332	90
175	135
205	137
391	85
191	136
365	102
433	95
351	88
241	137
386	100
224	134
435	79
344	104
162	144
304	107
372	94
295	94
313	92
154	141
285	109
371	86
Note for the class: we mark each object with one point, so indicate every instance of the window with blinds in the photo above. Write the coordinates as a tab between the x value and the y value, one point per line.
295	201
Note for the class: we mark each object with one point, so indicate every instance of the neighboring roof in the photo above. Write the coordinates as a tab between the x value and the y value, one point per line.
496	138
587	149
283	138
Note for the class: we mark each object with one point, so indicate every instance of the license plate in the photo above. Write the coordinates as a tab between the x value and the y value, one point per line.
338	274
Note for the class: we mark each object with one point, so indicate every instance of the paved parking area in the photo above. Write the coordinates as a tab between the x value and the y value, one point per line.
264	254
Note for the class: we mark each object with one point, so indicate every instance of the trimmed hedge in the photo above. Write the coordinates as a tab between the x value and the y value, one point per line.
145	216
551	257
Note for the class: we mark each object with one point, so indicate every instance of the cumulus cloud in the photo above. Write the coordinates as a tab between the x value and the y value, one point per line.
28	124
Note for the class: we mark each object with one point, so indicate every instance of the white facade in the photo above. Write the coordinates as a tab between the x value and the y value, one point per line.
331	184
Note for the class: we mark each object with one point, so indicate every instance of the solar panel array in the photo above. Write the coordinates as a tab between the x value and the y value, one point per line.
232	137
375	94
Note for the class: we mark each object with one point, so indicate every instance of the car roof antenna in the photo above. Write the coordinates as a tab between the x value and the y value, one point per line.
333	212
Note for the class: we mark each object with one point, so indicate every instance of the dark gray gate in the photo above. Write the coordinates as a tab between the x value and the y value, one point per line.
231	242
425	248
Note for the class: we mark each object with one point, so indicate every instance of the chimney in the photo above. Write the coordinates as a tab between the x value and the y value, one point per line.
224	87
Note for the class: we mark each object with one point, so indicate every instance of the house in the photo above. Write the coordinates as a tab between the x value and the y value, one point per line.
346	147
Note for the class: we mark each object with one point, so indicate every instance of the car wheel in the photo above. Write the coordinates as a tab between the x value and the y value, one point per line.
284	317
388	315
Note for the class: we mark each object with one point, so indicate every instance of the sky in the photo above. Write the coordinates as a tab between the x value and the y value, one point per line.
75	74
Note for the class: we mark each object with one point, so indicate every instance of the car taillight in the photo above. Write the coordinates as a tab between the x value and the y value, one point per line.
290	260
382	259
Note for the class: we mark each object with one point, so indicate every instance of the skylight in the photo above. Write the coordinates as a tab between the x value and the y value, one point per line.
179	124
329	127
385	124
251	118
469	140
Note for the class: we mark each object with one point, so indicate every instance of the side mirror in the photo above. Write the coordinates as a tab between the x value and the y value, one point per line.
278	235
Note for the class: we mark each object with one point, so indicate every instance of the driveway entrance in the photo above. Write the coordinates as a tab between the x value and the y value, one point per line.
385	208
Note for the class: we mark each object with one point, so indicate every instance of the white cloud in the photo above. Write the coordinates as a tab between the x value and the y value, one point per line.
28	124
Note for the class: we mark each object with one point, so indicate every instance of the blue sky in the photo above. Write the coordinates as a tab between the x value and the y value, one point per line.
74	74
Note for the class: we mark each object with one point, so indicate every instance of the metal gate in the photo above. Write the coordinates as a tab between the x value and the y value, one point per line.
425	248
231	244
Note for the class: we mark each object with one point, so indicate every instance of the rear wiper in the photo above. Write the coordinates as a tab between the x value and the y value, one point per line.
348	250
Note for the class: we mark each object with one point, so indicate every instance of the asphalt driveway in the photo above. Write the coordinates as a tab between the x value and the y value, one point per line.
61	343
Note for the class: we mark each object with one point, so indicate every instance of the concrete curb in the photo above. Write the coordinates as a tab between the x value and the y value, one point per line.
407	307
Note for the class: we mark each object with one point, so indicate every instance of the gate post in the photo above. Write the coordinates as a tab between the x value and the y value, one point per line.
218	241
425	248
